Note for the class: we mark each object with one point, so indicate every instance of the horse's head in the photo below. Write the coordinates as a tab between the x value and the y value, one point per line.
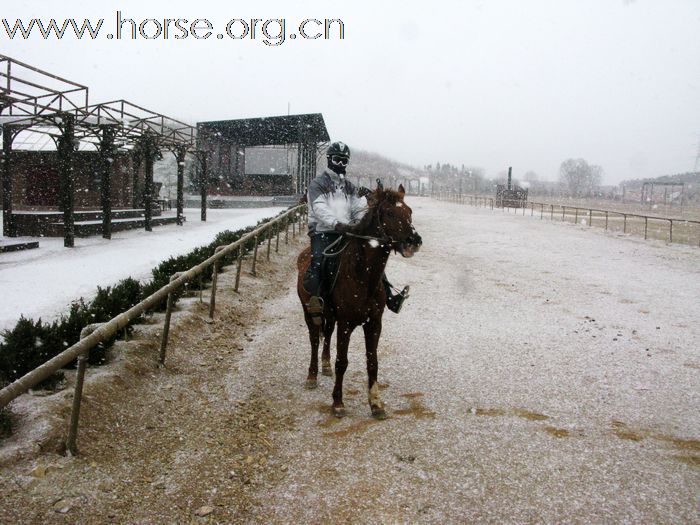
394	220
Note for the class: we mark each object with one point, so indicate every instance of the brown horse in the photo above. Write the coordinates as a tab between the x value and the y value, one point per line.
358	297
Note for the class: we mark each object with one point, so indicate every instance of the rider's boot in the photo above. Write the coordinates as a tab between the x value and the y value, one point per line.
394	301
315	309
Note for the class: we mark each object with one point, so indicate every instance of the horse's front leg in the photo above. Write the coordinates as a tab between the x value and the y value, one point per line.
312	378
328	328
341	364
373	329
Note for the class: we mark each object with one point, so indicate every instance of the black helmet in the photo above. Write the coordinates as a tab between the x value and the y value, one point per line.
338	148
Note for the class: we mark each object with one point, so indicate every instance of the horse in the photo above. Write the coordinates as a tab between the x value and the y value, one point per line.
358	297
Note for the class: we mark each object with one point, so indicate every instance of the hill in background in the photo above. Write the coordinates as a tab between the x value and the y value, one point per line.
366	167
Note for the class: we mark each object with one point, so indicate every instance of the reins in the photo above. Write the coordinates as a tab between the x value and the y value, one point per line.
335	248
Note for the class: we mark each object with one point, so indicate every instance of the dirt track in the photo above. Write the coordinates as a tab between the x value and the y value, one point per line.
539	373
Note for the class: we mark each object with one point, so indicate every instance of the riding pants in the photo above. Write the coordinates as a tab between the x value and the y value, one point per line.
313	275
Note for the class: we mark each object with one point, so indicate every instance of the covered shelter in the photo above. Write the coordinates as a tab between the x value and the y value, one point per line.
262	156
86	145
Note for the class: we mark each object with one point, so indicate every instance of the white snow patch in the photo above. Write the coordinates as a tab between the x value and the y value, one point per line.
43	281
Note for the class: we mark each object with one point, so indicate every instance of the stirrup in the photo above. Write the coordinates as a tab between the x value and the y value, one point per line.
395	302
315	308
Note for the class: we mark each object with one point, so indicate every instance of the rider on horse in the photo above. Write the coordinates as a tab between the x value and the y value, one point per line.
335	204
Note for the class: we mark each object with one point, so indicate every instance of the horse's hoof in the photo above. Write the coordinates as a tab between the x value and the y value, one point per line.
326	370
338	411
311	384
379	413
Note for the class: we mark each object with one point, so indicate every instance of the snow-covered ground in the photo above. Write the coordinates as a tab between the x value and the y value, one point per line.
42	282
539	373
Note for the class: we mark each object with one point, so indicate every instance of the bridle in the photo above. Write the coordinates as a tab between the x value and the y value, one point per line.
336	247
384	239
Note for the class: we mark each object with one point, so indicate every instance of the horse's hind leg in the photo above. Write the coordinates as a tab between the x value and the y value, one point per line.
328	328
373	329
312	378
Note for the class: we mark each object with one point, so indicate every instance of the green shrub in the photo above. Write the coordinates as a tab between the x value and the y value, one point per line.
28	345
31	343
110	302
5	423
68	329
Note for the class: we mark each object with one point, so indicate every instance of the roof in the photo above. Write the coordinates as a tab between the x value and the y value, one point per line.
267	131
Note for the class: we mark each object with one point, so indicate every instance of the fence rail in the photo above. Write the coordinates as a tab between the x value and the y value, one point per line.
93	335
673	230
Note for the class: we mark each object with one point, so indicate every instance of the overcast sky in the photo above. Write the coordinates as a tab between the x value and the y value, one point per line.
484	83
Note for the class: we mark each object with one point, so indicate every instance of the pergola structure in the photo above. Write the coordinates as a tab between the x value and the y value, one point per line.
224	142
34	100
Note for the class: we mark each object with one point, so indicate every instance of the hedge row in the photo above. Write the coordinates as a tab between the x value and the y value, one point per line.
31	343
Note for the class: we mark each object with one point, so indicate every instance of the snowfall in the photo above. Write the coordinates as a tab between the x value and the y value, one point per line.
42	282
540	372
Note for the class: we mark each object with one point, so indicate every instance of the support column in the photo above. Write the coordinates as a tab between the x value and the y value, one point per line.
107	159
180	153
300	183
8	222
149	152
136	158
313	163
66	148
203	180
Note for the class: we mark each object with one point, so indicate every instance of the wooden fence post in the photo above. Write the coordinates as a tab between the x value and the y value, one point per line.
269	242
238	268
75	413
166	325
214	279
277	235
71	442
255	257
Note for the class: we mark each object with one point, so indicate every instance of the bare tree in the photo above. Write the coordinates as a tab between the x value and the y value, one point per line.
579	177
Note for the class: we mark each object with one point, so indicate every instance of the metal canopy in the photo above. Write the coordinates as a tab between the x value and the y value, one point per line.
265	131
34	99
27	91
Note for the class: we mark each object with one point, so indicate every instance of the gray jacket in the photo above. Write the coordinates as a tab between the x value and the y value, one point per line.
333	199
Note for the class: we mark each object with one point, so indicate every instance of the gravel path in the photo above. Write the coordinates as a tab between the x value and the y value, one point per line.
540	372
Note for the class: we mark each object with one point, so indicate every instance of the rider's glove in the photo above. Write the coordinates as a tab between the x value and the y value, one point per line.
342	228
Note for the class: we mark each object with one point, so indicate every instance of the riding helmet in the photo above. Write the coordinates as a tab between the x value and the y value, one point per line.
338	148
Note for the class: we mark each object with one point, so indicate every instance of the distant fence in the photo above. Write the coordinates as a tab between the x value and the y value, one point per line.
669	229
95	334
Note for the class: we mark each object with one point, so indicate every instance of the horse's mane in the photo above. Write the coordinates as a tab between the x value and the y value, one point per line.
378	197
